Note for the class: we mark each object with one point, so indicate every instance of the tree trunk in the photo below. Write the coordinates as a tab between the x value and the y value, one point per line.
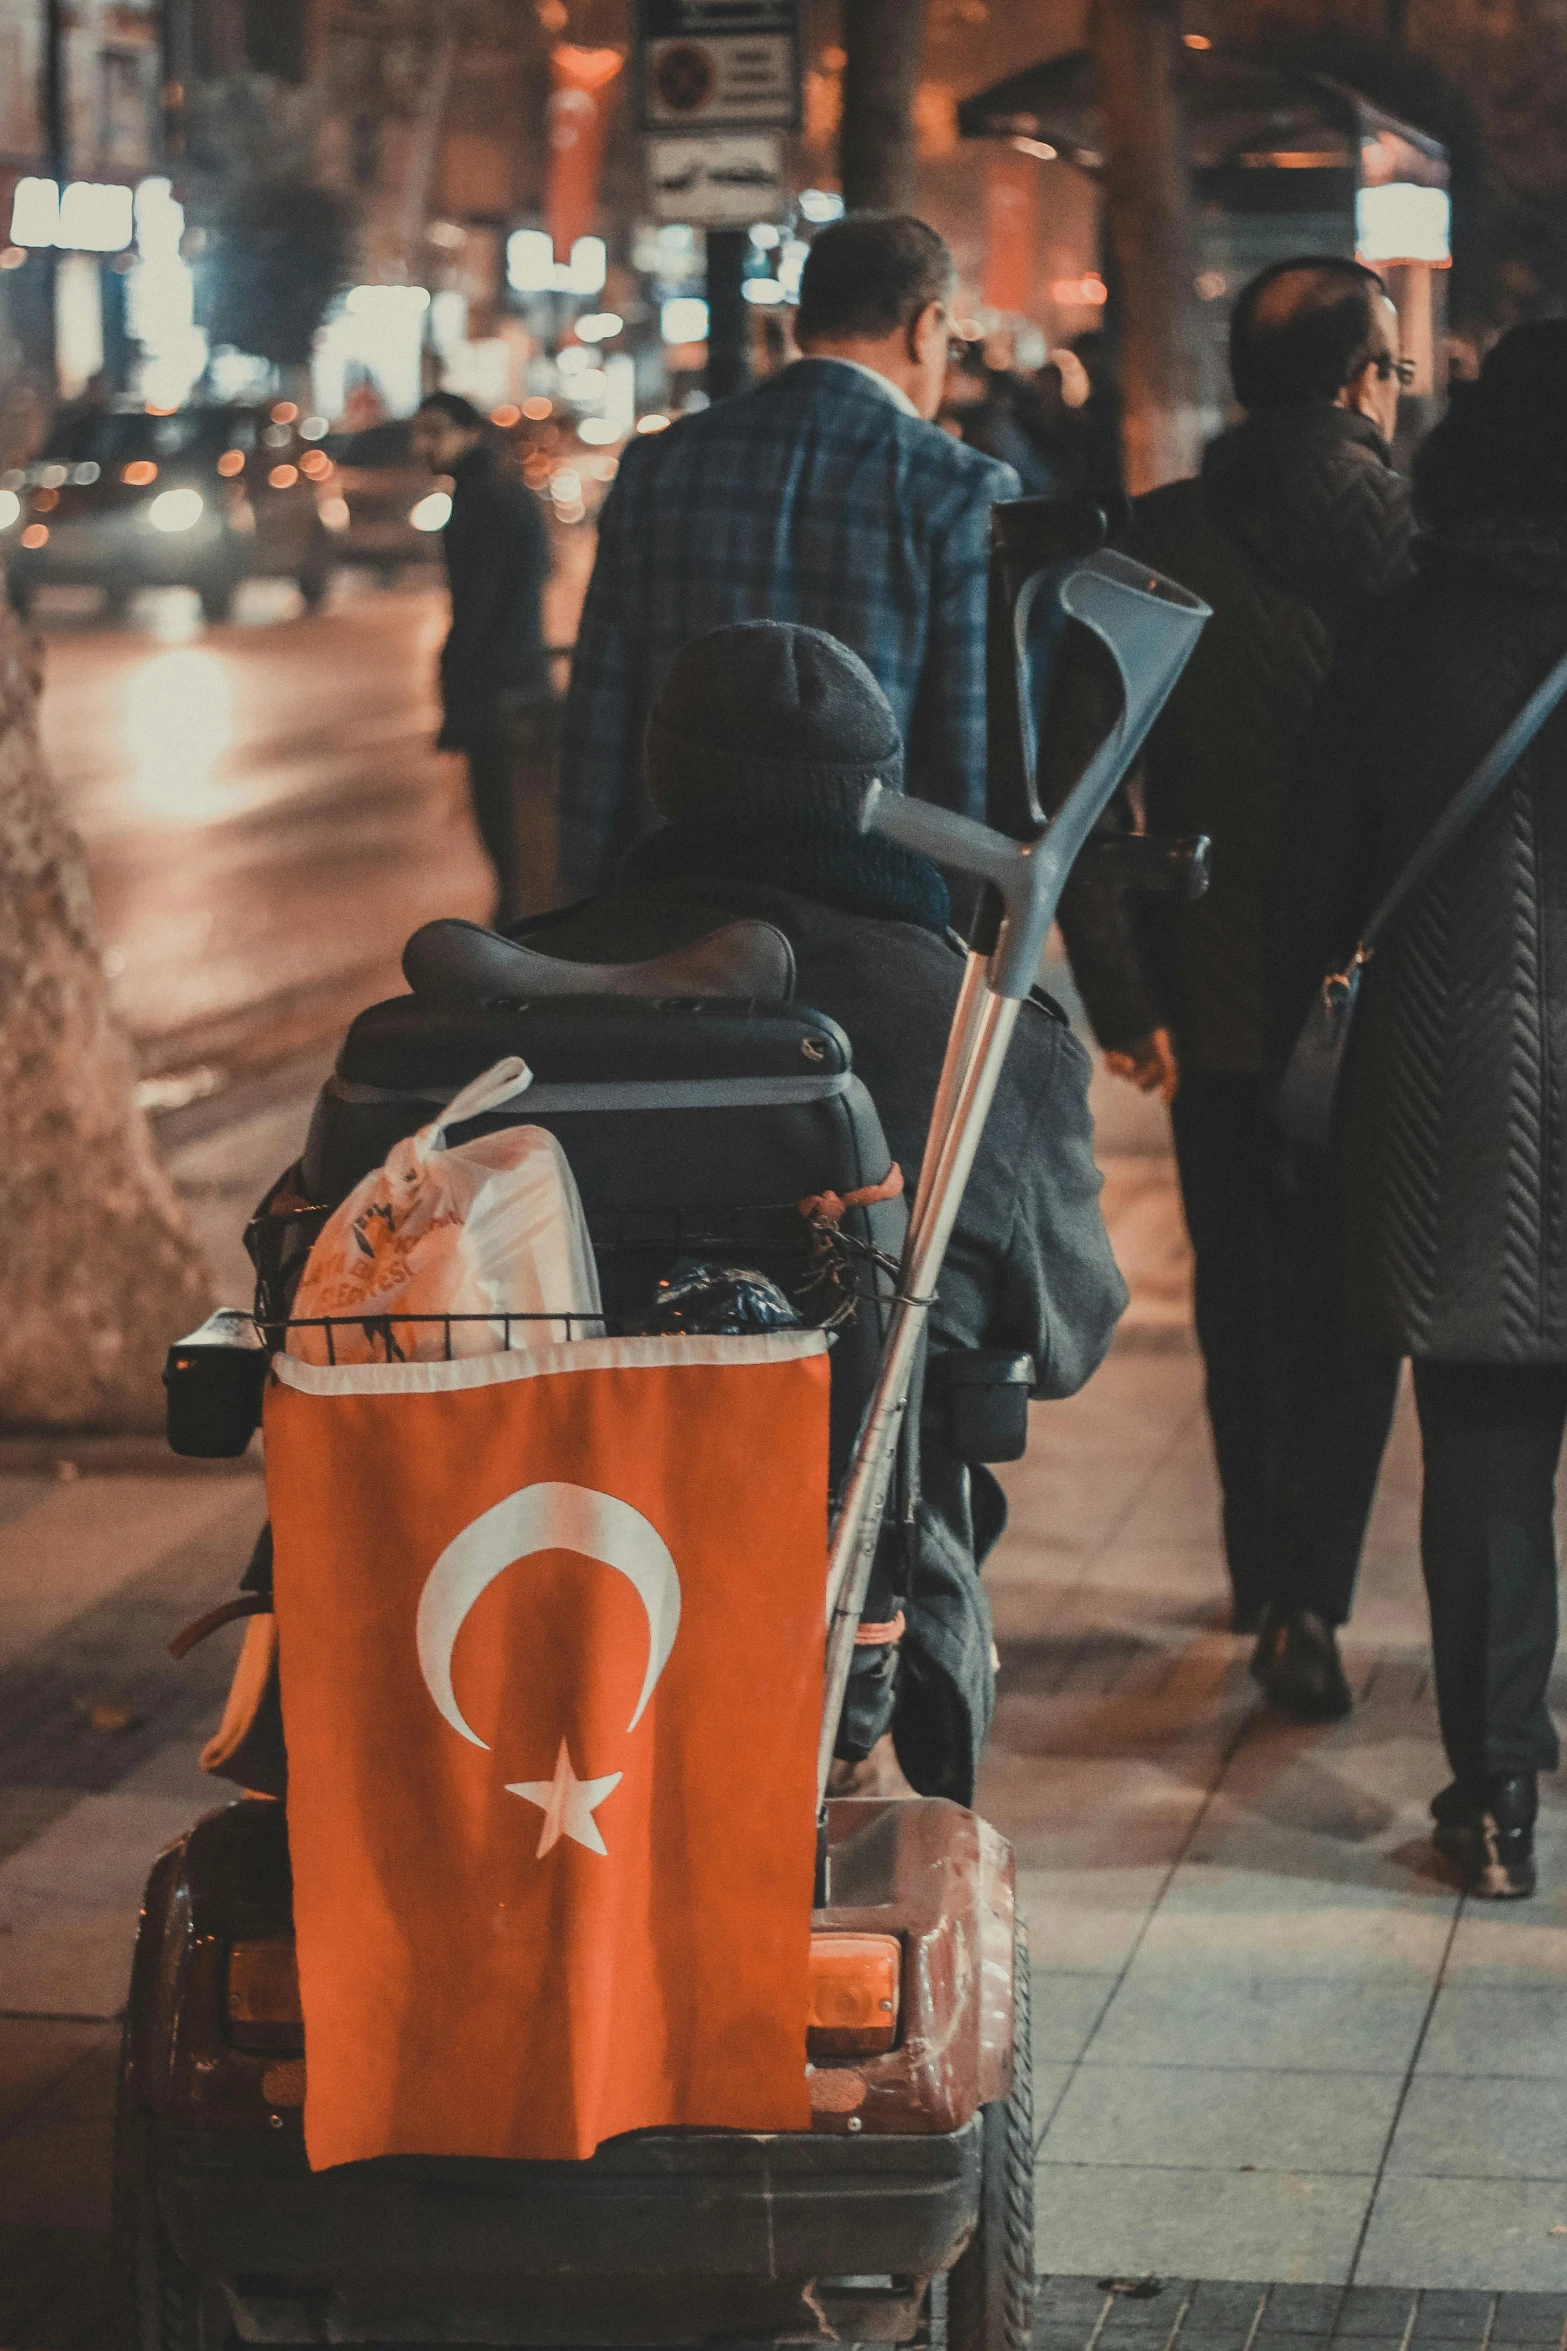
98	1272
1165	406
882	40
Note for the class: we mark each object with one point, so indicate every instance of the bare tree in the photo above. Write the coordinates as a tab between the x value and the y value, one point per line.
882	40
1165	410
98	1271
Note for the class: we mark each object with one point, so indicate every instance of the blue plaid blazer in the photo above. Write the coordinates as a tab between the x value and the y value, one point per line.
813	498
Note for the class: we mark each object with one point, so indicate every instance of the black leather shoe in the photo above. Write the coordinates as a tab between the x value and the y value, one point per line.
1297	1663
1486	1830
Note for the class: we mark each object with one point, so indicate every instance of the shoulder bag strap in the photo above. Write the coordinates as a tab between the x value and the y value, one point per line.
1466	804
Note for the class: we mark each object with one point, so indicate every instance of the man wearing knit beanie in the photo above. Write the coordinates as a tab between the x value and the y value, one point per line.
760	750
829	729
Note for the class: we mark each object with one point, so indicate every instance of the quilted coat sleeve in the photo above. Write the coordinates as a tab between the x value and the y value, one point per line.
1367	540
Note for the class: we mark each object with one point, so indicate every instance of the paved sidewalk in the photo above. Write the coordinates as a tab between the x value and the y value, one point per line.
1273	2042
1159	2314
1276	2053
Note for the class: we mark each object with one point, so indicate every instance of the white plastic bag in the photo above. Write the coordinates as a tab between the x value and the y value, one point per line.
492	1227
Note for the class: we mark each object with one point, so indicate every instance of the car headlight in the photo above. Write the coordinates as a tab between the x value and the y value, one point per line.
176	510
433	512
10	509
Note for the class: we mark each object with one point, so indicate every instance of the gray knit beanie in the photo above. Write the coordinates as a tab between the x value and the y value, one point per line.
769	717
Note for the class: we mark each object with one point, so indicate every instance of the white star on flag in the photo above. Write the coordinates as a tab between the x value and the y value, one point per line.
568	1804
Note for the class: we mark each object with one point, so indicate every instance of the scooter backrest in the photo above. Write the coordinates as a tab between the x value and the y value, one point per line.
451	962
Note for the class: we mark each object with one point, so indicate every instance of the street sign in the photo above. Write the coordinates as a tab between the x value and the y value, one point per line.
717	183
718	65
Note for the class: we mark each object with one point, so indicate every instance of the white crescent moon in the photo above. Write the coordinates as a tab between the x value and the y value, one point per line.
547	1517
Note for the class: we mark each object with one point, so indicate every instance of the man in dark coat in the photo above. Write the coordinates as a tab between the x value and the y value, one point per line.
759	751
492	663
823	496
1454	1118
1295	522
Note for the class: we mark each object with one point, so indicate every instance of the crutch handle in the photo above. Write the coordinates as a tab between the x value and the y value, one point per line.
958	842
1149	625
1180	867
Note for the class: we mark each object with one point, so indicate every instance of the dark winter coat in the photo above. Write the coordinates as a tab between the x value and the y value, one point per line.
497	561
1296	520
1029	1268
1454	1139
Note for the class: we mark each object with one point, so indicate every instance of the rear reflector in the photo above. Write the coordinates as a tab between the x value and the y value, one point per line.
263	1995
853	1989
854	1983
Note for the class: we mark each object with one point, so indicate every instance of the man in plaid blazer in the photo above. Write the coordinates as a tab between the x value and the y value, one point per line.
824	496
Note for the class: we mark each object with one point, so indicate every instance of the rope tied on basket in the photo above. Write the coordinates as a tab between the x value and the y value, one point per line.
836	1255
832	1207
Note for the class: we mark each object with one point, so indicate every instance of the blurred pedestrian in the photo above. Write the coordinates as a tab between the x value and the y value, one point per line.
1092	370
984	406
1052	424
824	496
493	665
1454	1126
1296	520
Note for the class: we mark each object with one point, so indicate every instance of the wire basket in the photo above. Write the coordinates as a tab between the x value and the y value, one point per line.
382	1329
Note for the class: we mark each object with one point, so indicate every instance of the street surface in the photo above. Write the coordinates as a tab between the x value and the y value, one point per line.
266	820
265	817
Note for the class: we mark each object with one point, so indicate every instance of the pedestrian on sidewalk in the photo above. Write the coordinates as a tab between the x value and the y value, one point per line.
1454	1127
493	666
1296	521
823	496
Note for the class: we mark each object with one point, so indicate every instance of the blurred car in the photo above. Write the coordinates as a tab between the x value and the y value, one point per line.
389	510
202	498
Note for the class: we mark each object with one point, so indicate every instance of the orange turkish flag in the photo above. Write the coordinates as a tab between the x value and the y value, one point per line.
551	1644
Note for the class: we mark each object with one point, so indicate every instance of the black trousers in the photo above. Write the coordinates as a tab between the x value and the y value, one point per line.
513	782
1492	1436
1300	1405
491	790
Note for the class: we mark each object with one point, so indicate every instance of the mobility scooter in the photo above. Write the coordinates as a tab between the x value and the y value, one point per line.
691	1097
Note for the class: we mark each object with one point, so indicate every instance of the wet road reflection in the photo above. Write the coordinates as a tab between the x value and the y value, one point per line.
265	816
176	724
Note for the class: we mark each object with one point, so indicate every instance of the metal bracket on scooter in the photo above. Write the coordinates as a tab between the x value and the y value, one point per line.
1148	625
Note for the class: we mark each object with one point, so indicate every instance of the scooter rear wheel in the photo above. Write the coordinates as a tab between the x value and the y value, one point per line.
161	2304
990	2289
